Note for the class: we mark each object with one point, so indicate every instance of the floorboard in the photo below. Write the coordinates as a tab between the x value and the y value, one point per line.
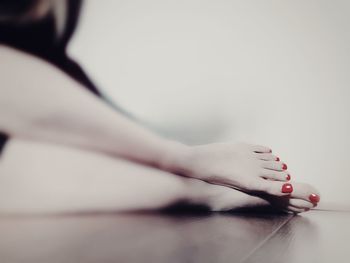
135	237
317	236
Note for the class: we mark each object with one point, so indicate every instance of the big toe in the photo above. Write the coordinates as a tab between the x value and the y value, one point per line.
305	192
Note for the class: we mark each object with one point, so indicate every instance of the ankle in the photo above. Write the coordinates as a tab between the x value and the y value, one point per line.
174	157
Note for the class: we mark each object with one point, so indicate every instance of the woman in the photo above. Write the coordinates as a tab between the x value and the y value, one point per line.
65	149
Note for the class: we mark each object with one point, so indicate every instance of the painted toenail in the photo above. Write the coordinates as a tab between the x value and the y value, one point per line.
314	198
284	166
287	177
277	159
287	188
270	151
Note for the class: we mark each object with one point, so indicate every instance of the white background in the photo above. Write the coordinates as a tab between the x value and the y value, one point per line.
270	72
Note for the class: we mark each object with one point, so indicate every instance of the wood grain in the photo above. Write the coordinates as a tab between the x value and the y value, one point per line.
134	237
317	236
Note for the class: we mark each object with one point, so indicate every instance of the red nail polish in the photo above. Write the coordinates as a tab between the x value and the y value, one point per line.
270	151
277	159
288	177
314	198
287	188
284	166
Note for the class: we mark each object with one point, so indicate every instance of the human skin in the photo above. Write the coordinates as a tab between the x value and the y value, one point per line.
38	102
32	116
58	179
28	113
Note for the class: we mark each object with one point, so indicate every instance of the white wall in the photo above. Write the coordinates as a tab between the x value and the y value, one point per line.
269	72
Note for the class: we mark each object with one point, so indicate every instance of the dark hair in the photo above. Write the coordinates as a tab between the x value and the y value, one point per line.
10	8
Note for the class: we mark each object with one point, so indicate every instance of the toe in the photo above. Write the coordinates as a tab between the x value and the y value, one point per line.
275	188
273	165
261	149
306	192
266	157
275	175
300	203
296	210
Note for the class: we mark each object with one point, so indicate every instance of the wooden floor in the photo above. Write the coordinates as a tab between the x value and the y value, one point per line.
317	236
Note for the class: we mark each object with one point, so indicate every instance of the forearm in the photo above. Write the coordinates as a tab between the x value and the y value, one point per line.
43	178
39	102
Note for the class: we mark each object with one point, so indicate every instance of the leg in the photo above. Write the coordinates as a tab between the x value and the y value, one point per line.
38	114
44	178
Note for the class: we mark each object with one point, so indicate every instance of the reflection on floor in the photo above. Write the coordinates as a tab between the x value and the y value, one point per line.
317	236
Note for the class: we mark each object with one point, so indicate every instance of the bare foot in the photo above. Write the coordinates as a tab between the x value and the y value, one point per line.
303	198
220	198
241	166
